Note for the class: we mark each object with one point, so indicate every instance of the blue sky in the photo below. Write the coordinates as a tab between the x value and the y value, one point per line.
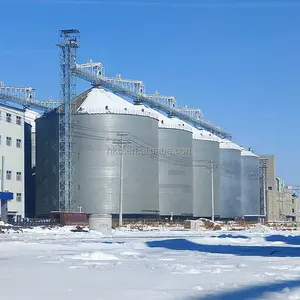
238	63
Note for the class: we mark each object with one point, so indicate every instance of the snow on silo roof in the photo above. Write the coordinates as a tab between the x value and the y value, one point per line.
226	144
100	101
167	122
201	134
248	153
198	134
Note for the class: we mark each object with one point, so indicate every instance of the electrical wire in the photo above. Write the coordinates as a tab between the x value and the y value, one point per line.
173	160
139	143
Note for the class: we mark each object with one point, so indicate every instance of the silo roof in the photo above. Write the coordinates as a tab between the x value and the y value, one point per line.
248	153
226	144
100	101
198	134
201	134
167	122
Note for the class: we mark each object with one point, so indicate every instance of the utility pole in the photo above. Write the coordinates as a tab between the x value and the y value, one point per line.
211	165
122	144
212	191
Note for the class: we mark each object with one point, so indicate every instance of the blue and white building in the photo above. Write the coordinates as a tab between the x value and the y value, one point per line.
18	150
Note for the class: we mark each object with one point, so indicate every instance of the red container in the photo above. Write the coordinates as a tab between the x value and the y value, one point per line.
70	218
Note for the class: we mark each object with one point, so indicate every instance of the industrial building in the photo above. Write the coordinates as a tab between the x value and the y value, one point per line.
18	151
282	203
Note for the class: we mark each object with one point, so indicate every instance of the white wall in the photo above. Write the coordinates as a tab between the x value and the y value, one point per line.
14	157
30	117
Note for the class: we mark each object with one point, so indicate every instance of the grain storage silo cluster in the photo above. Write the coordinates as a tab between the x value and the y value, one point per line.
166	164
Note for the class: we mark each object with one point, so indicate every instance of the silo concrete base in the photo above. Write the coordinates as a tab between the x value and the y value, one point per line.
100	223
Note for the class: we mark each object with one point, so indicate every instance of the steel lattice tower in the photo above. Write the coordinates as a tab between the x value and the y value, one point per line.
68	44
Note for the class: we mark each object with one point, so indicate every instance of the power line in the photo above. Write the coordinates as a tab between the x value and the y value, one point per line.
162	157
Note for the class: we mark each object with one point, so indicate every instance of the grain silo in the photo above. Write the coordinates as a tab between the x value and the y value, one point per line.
206	151
250	184
104	126
175	167
230	180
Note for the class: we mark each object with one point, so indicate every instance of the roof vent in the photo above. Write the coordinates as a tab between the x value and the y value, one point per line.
125	108
106	107
162	121
143	110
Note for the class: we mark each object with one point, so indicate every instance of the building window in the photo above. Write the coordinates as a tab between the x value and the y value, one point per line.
8	141
293	211
19	176
8	117
19	197
19	120
19	143
8	175
293	201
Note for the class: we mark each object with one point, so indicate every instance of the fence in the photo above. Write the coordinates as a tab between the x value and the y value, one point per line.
27	222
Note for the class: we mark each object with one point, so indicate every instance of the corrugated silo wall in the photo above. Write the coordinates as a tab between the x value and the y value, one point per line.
205	151
47	165
230	182
175	172
250	185
98	163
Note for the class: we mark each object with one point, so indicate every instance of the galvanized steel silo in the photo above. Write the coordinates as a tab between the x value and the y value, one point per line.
206	154
175	166
230	180
105	123
250	184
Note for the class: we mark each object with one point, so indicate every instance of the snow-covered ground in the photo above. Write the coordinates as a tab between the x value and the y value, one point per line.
60	264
